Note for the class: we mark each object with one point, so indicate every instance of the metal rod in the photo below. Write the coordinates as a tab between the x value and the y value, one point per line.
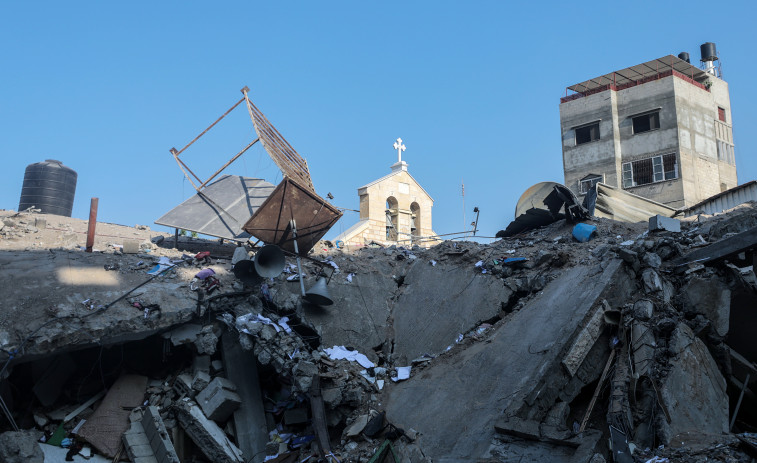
92	224
293	224
738	404
211	126
182	166
228	163
8	414
596	392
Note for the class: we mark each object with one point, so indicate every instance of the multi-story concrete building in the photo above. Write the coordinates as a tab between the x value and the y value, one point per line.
661	130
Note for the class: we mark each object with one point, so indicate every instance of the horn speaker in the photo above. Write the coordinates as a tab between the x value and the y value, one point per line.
319	293
269	261
244	270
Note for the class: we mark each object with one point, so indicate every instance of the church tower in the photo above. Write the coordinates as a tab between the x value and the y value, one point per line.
394	209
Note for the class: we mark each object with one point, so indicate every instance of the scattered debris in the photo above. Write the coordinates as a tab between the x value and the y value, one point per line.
539	348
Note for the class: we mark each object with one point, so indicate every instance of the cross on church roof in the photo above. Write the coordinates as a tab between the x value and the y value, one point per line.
400	148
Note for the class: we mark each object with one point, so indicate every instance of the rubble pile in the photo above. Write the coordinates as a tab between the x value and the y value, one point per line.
620	344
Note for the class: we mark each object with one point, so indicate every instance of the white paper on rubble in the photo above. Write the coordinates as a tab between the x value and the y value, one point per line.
403	373
283	323
341	353
248	318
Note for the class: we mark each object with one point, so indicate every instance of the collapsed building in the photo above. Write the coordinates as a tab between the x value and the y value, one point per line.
631	346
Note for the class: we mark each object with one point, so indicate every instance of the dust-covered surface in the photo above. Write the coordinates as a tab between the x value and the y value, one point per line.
470	352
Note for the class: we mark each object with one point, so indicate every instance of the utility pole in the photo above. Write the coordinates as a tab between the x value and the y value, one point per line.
465	227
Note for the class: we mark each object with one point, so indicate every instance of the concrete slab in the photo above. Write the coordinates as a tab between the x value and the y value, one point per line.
694	390
469	391
366	298
206	434
249	418
434	308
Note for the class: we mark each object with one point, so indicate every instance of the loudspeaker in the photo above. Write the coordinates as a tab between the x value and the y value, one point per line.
244	270
319	293
269	261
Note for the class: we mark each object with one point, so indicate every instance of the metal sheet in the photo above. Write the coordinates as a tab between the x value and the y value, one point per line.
290	200
725	200
641	72
617	204
221	208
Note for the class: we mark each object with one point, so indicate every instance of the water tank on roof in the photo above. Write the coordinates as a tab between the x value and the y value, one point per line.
49	186
684	56
708	51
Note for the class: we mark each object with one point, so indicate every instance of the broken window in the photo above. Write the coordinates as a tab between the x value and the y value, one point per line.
587	133
646	122
721	114
725	152
588	183
650	170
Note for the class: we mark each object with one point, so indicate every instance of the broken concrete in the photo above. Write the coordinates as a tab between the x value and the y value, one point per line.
20	447
249	419
708	297
219	399
694	380
507	344
206	434
147	440
475	394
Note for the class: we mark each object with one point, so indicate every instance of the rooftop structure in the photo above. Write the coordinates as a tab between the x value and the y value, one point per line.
661	129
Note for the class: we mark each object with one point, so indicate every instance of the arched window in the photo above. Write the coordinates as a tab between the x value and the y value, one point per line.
415	222
392	213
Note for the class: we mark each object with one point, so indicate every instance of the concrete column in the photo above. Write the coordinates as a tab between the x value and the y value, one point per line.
249	419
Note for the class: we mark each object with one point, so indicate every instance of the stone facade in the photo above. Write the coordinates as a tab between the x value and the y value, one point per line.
682	156
394	209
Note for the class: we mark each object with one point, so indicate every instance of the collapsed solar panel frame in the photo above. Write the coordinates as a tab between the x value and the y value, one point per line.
221	208
218	210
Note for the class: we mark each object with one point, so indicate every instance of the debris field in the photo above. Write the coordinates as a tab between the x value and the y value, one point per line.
633	343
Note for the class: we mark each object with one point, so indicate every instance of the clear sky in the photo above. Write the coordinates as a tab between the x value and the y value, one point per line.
472	88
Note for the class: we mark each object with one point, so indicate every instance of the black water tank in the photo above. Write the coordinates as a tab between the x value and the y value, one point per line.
684	56
49	186
708	51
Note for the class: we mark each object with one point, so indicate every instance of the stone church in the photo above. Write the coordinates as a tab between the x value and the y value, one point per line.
394	209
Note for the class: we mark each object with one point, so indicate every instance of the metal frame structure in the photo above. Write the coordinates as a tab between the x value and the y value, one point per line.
268	226
636	75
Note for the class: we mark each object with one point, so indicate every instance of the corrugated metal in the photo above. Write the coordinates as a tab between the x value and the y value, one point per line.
618	204
725	200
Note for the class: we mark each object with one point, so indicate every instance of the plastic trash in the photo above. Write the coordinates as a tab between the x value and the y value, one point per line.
583	232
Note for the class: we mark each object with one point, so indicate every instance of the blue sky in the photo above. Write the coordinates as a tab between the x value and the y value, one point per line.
472	88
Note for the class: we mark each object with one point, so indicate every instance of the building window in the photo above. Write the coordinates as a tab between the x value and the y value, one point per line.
588	183
650	170
725	152
646	122
721	114
587	133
